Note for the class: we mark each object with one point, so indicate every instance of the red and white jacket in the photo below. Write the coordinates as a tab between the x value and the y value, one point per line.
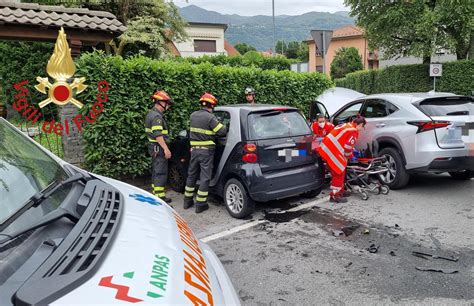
336	148
322	132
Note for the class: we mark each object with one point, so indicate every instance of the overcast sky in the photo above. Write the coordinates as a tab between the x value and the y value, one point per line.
264	7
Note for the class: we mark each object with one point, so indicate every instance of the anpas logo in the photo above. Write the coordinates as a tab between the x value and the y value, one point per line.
157	282
61	69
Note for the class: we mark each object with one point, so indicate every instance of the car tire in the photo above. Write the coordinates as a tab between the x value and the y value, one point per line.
236	199
176	177
398	175
311	194
462	175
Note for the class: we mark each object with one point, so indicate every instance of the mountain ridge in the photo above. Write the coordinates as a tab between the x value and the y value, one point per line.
258	30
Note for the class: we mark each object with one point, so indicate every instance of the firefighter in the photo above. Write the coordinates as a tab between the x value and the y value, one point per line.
336	148
204	128
250	95
321	127
157	133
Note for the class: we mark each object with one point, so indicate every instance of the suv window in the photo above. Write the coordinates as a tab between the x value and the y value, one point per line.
457	106
276	124
347	113
375	109
391	108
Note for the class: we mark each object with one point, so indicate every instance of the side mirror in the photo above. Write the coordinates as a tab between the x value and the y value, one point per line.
183	134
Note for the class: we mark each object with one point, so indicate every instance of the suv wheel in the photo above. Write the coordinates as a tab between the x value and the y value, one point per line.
462	175
238	203
397	176
176	177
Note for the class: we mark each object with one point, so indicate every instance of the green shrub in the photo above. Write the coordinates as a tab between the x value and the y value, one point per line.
115	145
457	78
250	59
22	61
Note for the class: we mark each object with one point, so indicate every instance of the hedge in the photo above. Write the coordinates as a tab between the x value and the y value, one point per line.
250	59
22	61
457	78
115	145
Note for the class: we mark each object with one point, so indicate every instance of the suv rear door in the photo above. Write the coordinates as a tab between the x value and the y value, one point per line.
380	123
283	138
459	111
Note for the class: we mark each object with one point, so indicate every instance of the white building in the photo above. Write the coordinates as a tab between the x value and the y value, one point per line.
440	57
204	39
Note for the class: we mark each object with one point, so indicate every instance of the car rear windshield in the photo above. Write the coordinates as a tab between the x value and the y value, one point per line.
275	124
458	106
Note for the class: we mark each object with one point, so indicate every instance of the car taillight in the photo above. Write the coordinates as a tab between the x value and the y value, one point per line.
250	158
424	126
250	147
249	153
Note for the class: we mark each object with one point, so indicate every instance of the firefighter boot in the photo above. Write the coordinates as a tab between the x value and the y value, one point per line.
167	200
188	203
201	207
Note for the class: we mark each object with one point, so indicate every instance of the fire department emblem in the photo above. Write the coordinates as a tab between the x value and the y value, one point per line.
61	68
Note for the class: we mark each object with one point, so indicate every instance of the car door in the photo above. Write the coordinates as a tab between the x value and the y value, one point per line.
224	118
316	108
375	111
347	113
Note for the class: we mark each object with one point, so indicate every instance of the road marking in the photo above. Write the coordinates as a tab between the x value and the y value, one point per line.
256	222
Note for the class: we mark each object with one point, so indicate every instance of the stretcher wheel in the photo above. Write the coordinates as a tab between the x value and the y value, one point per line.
378	190
364	196
384	189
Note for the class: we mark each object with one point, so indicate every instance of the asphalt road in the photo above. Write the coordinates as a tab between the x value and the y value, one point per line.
306	252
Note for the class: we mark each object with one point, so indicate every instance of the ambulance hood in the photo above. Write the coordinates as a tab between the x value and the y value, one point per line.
154	259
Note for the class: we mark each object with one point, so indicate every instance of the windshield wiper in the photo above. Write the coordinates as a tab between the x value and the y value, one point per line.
36	199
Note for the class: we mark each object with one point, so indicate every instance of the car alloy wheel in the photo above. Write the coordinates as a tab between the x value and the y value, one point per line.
391	174
176	178
234	198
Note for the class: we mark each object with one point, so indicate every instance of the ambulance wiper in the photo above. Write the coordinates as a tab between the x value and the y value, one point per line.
65	210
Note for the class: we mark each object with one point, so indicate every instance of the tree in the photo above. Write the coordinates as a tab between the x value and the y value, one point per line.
292	49
244	48
150	23
346	60
280	47
417	27
303	52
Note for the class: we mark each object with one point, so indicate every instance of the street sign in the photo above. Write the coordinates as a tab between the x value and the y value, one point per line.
436	70
322	38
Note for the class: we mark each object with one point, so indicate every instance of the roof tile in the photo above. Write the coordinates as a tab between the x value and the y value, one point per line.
31	13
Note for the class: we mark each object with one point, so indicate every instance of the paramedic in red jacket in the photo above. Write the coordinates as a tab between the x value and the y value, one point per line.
321	127
336	148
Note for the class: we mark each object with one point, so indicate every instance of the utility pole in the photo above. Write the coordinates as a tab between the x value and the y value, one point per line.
274	35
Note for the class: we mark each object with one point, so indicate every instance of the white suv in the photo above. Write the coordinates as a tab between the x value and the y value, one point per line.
417	132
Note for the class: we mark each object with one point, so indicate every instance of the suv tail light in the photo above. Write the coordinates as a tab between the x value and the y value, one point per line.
249	155
250	147
424	126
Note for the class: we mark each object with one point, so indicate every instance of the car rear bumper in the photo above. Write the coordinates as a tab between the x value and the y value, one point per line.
451	164
286	183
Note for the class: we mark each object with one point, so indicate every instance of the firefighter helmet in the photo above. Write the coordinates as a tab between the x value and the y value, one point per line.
161	95
208	99
249	91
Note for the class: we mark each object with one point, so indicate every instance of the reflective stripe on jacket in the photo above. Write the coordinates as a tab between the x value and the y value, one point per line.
155	125
336	148
204	128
